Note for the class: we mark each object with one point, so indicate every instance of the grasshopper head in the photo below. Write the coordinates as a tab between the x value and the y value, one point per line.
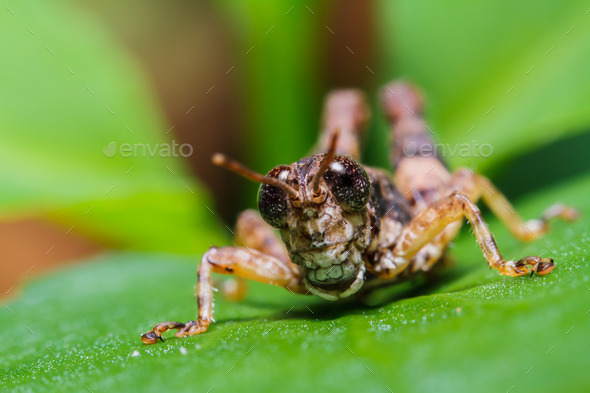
319	206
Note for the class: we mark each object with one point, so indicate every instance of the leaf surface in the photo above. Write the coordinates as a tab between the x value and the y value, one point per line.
471	329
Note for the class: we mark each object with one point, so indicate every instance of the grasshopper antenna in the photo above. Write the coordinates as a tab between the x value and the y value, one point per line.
234	166
315	182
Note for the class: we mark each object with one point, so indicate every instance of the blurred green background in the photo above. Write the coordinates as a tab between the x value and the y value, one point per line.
247	78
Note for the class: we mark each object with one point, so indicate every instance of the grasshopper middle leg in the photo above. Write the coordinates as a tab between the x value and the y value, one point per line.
253	233
429	227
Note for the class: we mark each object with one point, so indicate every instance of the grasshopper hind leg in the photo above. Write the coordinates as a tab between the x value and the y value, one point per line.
346	112
439	200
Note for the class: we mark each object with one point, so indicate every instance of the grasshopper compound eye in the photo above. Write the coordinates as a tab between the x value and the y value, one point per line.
349	183
273	203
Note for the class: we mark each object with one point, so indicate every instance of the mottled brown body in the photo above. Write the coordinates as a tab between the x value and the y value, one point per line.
344	226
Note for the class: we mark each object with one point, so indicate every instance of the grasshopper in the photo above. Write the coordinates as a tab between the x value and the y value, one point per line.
346	227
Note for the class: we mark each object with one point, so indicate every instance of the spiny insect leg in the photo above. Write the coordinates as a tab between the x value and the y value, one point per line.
252	232
347	112
433	220
525	231
420	173
466	182
240	261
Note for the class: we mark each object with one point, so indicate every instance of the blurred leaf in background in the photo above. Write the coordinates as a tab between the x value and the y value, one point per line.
510	74
278	47
68	92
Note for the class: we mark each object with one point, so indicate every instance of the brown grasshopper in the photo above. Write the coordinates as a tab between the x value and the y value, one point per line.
347	227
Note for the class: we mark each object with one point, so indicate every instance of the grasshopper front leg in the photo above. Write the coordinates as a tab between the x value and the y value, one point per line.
240	261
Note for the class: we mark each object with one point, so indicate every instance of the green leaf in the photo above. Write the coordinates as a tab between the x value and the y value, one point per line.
470	330
71	99
509	74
